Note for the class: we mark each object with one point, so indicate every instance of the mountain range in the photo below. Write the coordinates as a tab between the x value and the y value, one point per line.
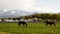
15	13
4	13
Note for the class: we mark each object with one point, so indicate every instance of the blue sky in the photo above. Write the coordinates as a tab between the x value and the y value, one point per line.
47	6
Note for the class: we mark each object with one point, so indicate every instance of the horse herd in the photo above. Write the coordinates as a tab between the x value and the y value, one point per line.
47	23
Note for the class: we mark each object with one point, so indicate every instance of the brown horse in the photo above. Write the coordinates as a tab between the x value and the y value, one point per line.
50	23
22	23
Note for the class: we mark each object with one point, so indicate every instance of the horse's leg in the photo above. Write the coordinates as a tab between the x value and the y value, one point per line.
26	25
50	25
54	24
19	24
46	24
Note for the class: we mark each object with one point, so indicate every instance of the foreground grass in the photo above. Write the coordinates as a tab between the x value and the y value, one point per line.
33	28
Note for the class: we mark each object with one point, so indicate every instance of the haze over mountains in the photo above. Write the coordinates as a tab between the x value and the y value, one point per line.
4	13
14	13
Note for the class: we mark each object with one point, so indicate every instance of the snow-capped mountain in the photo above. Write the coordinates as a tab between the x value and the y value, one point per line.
4	13
14	13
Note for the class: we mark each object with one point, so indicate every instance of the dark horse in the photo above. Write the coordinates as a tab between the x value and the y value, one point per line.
22	23
50	23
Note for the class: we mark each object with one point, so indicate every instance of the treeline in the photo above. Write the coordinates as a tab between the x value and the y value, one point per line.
39	16
43	16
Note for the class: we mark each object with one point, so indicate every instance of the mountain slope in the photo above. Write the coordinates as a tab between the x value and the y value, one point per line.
14	13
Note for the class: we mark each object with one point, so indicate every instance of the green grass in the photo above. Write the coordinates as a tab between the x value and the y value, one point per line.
33	28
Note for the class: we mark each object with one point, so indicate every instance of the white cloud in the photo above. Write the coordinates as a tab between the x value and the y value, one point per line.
17	4
48	10
27	5
13	12
5	10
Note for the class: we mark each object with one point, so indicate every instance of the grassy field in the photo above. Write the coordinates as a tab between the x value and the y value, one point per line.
33	28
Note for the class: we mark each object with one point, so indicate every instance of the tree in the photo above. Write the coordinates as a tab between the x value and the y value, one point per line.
2	19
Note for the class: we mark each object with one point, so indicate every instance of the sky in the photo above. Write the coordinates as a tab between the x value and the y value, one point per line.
47	6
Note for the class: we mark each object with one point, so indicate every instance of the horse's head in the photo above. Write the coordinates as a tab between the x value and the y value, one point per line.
45	21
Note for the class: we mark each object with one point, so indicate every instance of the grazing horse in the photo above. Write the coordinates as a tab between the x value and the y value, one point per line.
50	23
22	23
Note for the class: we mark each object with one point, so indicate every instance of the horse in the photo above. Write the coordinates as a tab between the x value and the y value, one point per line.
50	23
22	23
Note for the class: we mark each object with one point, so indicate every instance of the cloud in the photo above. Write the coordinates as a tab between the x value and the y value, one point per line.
30	5
16	4
27	5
